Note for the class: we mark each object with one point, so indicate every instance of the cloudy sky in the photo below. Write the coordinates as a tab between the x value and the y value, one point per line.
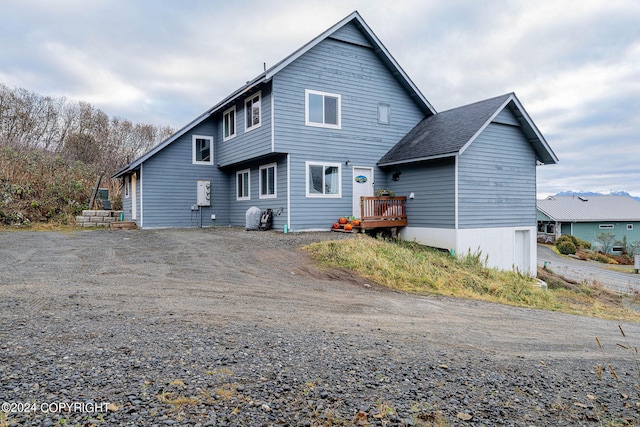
574	65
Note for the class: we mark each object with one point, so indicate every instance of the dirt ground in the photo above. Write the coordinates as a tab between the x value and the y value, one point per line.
222	276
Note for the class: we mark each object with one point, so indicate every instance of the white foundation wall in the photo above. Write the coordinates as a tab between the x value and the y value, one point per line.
443	238
507	248
504	248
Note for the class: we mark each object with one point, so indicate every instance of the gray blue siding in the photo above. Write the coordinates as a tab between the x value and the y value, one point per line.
497	180
362	79
169	186
238	208
433	185
247	144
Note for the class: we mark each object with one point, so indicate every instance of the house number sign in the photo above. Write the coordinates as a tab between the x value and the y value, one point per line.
361	178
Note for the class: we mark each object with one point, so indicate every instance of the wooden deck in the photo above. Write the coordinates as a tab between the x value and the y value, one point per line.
382	212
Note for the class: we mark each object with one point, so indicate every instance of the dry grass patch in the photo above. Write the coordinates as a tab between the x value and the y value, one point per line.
410	267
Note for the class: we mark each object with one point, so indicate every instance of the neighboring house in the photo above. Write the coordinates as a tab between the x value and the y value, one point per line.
330	123
587	216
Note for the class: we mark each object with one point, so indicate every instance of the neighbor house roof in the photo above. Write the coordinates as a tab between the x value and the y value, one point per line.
450	132
590	209
268	74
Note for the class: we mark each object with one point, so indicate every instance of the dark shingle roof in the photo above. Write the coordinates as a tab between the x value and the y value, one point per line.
448	133
445	133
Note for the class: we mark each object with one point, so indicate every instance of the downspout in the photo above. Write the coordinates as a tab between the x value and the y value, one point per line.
456	192
141	197
455	248
288	191
273	125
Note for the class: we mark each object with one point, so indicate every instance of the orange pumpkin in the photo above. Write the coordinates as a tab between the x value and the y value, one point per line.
335	225
343	220
348	227
355	222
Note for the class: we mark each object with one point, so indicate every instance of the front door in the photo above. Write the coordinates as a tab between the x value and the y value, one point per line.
362	186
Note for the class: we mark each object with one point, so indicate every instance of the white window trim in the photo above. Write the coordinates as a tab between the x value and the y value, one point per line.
194	140
275	181
248	172
308	92
606	226
248	128
629	227
323	164
235	123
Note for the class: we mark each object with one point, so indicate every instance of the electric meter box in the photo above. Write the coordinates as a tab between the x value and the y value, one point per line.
204	193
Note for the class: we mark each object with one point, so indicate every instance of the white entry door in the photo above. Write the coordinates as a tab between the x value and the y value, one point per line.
362	186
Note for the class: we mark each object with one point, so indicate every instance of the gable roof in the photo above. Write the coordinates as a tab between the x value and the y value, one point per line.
450	132
591	208
268	74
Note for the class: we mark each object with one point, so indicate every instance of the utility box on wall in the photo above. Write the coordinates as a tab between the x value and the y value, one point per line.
204	193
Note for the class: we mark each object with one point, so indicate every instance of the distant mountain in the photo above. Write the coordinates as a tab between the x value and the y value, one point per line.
591	194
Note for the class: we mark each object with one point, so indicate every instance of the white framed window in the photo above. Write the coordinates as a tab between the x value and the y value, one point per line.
243	185
384	113
127	186
322	109
606	226
202	152
324	179
629	227
253	112
229	124
268	181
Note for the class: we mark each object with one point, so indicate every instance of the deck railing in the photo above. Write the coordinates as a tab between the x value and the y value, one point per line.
382	211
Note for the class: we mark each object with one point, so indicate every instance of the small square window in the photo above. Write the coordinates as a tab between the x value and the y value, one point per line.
243	186
229	124
384	114
629	227
202	150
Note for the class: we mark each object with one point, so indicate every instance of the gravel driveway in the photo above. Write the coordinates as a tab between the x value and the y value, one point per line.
589	271
224	327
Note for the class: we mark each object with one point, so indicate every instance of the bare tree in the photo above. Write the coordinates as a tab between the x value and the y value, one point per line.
606	240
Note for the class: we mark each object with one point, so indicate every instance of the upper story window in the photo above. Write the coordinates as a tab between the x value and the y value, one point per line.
384	113
324	179
243	186
322	109
229	123
606	226
202	151
268	181
253	112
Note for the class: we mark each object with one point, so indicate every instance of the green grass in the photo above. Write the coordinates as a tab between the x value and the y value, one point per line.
410	267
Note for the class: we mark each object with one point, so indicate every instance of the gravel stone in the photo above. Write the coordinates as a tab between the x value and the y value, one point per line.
223	327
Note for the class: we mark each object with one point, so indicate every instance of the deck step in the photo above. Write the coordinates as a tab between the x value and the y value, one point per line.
124	225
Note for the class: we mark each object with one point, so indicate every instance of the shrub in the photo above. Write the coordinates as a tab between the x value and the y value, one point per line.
566	247
583	244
